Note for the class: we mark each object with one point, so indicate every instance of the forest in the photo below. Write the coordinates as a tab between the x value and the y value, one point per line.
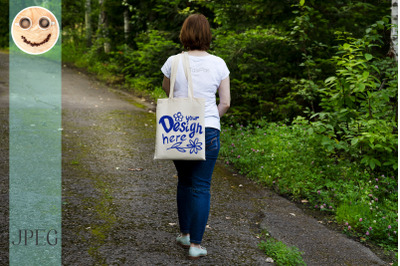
313	83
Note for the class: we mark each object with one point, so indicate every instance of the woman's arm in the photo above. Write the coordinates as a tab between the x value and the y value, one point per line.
224	92
165	85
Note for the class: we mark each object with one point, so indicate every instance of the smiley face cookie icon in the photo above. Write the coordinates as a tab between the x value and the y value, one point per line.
35	30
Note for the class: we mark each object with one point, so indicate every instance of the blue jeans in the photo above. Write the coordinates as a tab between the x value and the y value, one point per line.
193	193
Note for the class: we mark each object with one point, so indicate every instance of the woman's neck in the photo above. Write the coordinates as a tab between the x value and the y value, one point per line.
197	53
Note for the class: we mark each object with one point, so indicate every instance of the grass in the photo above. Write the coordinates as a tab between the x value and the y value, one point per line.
292	161
281	253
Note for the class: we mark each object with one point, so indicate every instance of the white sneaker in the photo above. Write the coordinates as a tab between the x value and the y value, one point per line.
196	253
183	241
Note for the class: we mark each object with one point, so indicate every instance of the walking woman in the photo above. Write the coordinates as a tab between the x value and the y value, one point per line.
209	75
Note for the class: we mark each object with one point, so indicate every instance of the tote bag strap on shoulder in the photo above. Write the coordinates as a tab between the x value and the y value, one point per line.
174	70
188	74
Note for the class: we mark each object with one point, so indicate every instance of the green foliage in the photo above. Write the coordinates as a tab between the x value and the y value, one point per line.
237	15
359	103
142	66
138	69
293	161
71	52
357	219
263	43
281	253
371	212
4	22
256	59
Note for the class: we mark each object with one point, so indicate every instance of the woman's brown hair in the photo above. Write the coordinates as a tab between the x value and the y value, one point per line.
195	33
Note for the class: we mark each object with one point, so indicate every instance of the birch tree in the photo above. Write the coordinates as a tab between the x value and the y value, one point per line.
88	24
103	27
126	24
394	31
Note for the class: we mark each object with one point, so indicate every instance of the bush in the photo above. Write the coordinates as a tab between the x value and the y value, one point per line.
257	59
359	117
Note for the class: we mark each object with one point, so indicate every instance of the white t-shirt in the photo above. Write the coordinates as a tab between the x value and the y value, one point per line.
207	74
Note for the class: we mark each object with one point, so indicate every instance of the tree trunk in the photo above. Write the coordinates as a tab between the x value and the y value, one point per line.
394	33
126	25
88	24
103	27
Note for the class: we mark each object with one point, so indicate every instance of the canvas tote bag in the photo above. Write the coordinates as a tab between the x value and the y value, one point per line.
180	131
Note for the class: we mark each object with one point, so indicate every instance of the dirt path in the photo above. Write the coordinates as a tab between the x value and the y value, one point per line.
119	205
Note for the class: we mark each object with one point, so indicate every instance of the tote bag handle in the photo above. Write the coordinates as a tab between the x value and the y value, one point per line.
186	68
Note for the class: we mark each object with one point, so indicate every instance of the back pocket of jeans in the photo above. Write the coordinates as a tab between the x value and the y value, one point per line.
213	144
